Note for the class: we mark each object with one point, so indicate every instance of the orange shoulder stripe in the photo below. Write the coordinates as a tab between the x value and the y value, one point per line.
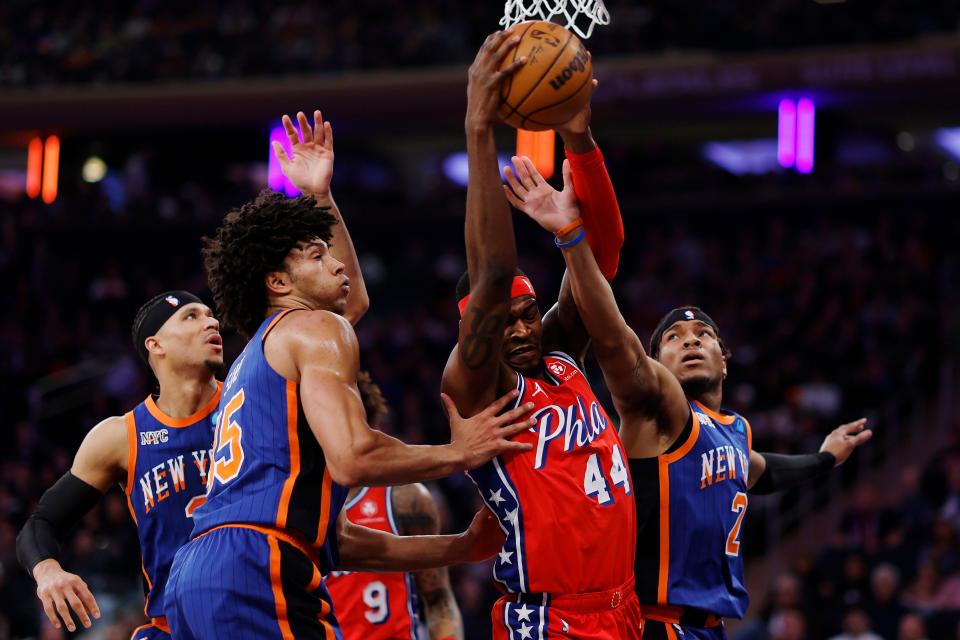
131	423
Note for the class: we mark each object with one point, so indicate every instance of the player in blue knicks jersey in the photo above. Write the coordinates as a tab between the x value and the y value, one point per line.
292	434
159	453
692	463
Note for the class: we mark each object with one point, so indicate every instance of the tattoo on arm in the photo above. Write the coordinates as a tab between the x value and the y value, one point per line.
639	365
416	514
442	612
478	345
416	524
414	510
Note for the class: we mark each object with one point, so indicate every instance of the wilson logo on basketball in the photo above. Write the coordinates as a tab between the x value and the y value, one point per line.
576	65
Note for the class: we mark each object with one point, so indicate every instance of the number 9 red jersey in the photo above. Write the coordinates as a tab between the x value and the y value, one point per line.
374	606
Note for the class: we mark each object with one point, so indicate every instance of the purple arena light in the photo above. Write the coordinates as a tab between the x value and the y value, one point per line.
275	178
787	134
742	157
948	139
455	167
795	134
806	117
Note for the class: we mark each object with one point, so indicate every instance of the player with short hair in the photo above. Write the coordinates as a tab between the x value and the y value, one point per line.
159	453
292	435
565	506
692	462
389	606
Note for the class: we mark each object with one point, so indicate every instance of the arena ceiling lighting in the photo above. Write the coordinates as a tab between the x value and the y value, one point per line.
275	178
948	139
94	169
743	157
455	167
796	132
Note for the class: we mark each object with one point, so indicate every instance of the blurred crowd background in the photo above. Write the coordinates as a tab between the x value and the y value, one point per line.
835	291
79	42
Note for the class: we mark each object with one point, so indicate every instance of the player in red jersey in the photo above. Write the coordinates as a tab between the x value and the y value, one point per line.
693	462
388	606
565	506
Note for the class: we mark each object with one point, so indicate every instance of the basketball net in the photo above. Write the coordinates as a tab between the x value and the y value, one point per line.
581	17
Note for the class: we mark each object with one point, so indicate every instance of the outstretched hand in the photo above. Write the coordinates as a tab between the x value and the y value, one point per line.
530	193
484	537
487	434
310	168
61	593
844	439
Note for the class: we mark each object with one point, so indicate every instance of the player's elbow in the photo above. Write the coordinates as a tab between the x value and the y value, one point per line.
357	466
357	307
346	473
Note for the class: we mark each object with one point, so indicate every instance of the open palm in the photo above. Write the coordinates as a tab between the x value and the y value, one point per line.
310	168
530	193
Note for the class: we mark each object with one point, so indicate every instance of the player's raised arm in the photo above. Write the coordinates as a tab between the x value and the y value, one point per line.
527	190
100	462
416	514
310	169
473	371
363	549
324	350
640	386
594	190
588	188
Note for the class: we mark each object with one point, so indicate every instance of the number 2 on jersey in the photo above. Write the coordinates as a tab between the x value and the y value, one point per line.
595	484
739	506
375	597
228	442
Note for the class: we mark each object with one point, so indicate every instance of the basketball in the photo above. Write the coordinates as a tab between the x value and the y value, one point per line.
553	85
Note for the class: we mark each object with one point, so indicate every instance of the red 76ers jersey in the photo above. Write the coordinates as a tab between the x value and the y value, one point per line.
566	506
374	606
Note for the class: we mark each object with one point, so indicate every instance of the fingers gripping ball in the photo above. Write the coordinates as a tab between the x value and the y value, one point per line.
554	84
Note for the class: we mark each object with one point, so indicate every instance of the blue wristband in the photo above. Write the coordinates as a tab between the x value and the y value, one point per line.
571	243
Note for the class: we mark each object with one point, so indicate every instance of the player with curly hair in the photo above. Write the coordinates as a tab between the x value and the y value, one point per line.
292	435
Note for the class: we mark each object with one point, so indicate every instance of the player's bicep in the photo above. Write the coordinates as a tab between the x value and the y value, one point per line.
331	403
758	464
473	370
415	511
102	458
626	370
641	385
335	414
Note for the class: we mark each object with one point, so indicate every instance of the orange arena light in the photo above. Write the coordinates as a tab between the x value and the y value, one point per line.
34	163
539	147
51	168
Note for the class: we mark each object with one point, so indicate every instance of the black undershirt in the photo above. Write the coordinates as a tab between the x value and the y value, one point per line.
645	473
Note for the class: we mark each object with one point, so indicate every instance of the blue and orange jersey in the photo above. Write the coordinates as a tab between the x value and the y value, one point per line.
268	470
167	467
374	606
566	505
691	504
